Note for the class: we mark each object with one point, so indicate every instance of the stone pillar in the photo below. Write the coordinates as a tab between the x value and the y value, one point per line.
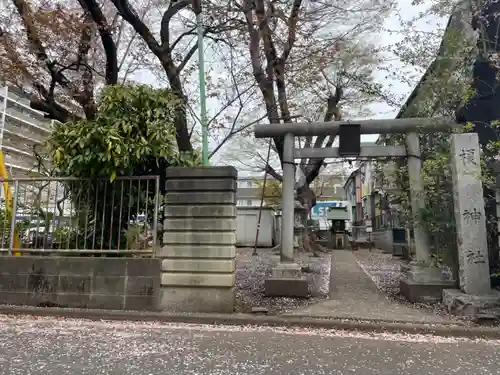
470	219
496	170
286	279
475	294
422	251
198	253
420	280
287	200
497	202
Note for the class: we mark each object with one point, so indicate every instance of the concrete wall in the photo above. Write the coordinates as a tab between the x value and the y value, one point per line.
84	282
382	239
246	226
199	239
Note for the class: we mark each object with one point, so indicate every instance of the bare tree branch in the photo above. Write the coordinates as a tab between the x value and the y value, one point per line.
314	166
82	59
234	132
130	15
187	57
191	31
57	75
49	106
106	38
292	30
270	170
173	8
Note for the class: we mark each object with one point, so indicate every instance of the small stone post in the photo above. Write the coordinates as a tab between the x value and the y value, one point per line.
198	253
475	292
468	200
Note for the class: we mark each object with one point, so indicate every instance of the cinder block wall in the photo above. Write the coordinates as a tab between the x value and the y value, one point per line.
198	253
80	282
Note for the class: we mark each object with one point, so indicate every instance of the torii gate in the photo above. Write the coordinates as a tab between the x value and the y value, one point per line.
349	145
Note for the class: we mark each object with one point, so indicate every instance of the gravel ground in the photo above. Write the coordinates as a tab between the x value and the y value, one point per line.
252	270
385	271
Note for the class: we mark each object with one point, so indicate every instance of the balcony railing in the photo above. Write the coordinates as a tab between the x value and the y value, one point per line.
21	128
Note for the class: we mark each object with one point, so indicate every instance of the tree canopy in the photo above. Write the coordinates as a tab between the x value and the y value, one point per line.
269	61
132	131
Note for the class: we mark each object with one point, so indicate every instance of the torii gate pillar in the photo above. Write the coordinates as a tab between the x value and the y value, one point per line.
420	281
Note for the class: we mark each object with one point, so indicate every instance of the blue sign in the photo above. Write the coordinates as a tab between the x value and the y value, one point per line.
320	210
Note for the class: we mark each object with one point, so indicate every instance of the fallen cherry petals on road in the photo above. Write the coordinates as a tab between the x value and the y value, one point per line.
124	329
251	271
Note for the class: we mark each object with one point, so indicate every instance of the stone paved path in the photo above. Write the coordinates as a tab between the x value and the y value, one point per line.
354	295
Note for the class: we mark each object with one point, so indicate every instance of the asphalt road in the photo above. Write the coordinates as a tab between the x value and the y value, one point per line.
45	346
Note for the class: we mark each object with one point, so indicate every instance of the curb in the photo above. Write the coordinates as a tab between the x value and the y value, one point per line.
374	326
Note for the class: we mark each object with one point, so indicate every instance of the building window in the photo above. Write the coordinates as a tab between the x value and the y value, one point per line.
245	183
244	203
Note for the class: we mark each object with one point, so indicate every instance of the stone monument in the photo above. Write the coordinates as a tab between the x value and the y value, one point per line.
474	273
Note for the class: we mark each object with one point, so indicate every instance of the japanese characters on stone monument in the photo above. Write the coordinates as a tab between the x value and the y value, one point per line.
469	214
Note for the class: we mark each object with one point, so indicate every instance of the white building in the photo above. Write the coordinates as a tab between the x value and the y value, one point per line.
21	130
326	187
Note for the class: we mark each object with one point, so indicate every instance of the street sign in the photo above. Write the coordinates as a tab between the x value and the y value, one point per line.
320	210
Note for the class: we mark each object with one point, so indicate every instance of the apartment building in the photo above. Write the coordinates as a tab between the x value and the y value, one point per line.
249	192
326	187
21	129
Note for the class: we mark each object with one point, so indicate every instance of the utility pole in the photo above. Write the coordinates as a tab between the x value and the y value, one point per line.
201	78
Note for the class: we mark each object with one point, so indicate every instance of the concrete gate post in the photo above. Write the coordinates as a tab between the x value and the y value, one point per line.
420	281
286	280
288	200
422	250
198	253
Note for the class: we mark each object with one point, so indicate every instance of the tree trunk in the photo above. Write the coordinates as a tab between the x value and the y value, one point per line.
307	198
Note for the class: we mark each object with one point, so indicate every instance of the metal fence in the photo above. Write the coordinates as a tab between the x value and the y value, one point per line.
72	215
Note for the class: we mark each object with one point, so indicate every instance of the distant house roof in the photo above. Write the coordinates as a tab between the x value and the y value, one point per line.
351	176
